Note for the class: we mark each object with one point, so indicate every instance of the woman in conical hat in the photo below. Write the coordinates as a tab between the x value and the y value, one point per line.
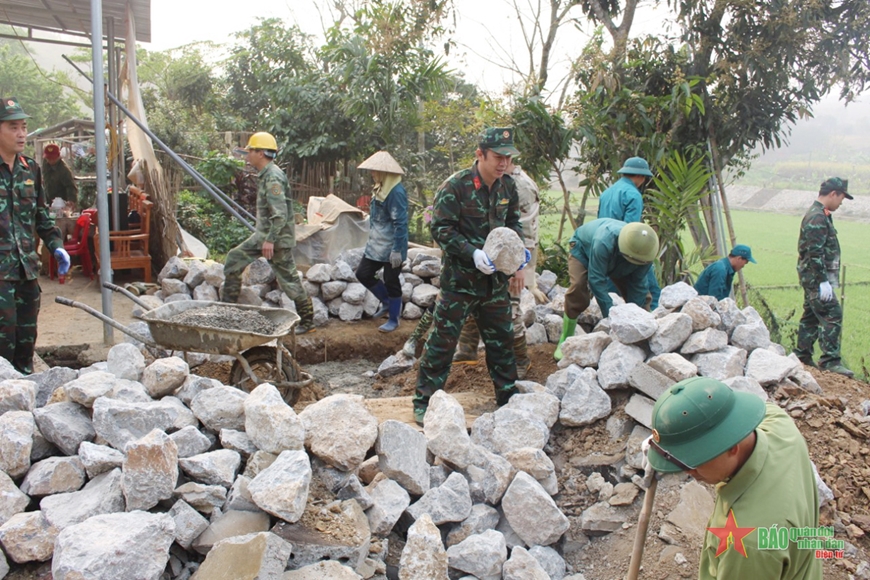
387	246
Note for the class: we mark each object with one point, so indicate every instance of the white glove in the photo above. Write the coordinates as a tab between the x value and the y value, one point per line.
396	260
826	292
63	261
526	260
483	263
648	471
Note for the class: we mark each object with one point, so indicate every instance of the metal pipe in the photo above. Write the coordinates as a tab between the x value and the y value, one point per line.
174	156
100	153
113	117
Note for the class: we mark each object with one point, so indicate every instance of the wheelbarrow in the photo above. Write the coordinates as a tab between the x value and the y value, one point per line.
260	358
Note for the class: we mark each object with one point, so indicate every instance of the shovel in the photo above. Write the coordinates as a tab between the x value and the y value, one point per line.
642	527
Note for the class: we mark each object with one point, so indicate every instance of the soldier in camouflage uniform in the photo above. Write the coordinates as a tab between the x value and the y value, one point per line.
23	212
275	235
467	207
818	269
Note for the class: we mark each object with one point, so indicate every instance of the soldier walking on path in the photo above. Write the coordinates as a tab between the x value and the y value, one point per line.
469	205
275	234
23	213
819	269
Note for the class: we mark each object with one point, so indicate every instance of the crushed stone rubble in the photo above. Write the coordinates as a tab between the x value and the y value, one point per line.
225	317
126	469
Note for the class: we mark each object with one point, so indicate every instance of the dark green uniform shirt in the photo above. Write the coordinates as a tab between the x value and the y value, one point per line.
464	213
58	181
716	279
275	218
23	214
818	249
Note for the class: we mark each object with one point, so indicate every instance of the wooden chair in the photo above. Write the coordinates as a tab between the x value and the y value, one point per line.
130	247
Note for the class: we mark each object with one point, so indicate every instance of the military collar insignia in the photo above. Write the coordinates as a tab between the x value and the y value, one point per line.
28	182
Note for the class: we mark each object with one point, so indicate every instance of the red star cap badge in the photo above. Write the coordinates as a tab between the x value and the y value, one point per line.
731	534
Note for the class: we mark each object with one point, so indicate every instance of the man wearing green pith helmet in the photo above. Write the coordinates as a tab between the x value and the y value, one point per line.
757	459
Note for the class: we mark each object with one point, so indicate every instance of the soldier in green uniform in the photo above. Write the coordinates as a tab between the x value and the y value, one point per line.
23	211
275	235
818	269
469	205
57	178
759	462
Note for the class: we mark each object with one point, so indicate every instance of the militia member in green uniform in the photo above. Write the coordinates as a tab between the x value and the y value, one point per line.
757	459
717	279
57	178
23	212
469	205
275	235
819	269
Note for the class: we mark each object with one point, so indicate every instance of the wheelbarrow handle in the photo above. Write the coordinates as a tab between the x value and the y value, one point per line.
106	319
128	294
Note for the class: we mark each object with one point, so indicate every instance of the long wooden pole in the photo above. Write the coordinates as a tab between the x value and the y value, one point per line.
642	528
717	167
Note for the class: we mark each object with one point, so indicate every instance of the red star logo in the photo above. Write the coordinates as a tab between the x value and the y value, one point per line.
733	533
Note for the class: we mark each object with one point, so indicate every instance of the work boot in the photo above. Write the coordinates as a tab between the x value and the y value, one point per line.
419	414
395	310
502	396
838	368
305	310
380	292
569	325
521	352
466	348
423	325
808	361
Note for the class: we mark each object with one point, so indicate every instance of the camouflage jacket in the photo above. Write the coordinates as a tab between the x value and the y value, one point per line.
275	218
58	181
464	213
23	215
818	249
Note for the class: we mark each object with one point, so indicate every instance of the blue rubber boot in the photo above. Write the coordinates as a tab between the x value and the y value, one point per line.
380	292
395	310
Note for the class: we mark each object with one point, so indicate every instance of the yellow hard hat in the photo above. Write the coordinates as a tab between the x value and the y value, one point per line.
262	140
638	243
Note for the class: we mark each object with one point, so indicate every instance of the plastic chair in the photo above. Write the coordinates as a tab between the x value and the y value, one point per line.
78	247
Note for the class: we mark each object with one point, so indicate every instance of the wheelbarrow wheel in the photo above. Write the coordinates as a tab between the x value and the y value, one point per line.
264	365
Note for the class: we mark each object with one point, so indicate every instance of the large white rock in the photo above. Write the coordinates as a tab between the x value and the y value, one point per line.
49	381
505	248
616	363
550	560
675	295
508	429
481	518
7	371
125	361
543	406
98	459
271	424
481	555
204	498
28	537
17	395
165	375
769	368
532	513
446	432
65	424
101	495
449	502
424	295
389	502
191	441
558	382
523	566
702	315
584	350
256	555
220	408
730	316
339	430
114	546
282	488
424	556
150	470
120	422
193	385
319	273
629	323
16	442
54	475
12	500
750	336
88	388
674	366
189	523
213	467
402	456
584	402
721	364
747	385
706	340
673	330
322	570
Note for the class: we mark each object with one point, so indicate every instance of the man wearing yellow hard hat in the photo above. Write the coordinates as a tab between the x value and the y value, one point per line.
274	236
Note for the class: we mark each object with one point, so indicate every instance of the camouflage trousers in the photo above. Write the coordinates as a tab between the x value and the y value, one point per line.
822	322
493	314
470	335
282	264
19	308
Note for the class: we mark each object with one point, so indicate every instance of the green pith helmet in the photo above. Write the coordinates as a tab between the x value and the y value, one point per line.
638	243
635	166
698	419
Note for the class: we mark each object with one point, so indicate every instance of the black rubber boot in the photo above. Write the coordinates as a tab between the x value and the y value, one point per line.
305	310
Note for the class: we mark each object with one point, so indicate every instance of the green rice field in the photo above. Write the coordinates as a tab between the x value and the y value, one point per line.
773	281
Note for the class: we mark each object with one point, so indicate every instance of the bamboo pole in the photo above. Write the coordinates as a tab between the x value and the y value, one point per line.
717	167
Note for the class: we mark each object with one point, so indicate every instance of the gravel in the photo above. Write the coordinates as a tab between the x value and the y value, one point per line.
226	318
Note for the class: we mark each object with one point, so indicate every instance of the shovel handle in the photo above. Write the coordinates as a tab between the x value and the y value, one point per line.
642	527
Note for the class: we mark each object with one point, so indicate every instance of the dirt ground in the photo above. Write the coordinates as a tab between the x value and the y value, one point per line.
344	357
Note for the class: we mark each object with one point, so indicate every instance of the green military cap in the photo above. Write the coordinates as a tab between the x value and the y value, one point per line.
835	184
11	110
499	139
743	251
697	420
635	166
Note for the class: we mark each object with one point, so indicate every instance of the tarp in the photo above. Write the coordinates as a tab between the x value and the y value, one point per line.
333	226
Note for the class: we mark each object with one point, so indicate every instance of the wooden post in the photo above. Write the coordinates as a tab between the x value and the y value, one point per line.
717	167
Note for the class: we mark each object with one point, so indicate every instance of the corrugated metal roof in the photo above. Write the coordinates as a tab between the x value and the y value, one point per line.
74	16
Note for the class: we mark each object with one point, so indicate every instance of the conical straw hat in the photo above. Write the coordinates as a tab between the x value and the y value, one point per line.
382	161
